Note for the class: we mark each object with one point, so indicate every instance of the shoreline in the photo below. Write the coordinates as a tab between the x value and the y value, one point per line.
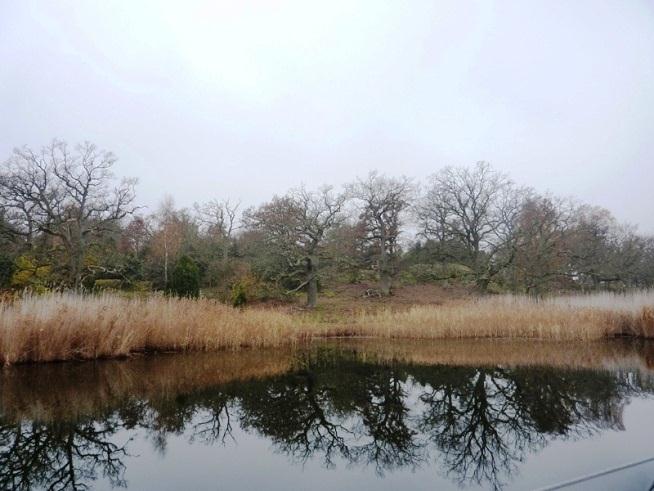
64	326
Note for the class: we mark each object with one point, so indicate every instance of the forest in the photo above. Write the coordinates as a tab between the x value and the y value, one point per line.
67	222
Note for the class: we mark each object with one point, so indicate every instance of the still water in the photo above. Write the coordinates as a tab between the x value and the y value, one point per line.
338	415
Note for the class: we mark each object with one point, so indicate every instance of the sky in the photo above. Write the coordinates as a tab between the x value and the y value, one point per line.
245	99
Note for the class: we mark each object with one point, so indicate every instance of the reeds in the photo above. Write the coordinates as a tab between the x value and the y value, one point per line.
68	326
578	317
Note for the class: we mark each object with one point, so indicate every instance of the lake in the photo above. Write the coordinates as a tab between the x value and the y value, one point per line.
340	414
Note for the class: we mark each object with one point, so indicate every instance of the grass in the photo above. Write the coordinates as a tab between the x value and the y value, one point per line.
68	326
576	317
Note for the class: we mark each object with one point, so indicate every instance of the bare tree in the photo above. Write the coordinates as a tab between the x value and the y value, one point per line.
135	235
221	221
602	251
67	195
477	210
382	202
542	256
168	236
294	227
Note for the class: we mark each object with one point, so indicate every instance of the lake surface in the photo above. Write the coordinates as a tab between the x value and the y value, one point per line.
339	415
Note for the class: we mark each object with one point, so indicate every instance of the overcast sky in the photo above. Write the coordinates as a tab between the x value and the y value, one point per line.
245	99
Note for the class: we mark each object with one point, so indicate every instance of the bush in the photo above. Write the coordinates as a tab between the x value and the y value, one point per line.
250	289
238	295
28	273
185	280
435	273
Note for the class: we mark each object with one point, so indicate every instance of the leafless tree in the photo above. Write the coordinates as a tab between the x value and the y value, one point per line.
221	221
382	203
294	227
67	195
135	235
542	254
602	251
171	228
475	208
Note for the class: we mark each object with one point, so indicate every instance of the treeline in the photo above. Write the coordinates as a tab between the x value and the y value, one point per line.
67	222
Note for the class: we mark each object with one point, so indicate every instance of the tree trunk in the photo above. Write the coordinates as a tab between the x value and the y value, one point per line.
77	269
385	279
165	265
76	251
482	283
312	283
385	283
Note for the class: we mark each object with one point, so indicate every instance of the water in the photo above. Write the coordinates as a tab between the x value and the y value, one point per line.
340	415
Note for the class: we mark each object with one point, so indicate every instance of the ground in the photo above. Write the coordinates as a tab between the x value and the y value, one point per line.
348	299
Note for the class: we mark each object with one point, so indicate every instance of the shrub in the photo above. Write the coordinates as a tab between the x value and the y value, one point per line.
238	295
29	273
250	289
185	280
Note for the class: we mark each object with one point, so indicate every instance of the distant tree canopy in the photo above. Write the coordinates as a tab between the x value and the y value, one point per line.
66	222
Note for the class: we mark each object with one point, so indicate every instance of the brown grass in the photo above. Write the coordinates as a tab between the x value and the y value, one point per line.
580	317
68	326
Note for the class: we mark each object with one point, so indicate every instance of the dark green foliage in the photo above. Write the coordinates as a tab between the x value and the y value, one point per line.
133	268
7	268
185	281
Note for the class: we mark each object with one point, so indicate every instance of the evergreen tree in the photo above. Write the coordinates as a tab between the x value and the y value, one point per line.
185	281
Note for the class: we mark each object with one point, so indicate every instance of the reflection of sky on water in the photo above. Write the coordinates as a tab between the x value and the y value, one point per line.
250	463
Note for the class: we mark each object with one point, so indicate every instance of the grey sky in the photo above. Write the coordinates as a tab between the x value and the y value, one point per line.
245	99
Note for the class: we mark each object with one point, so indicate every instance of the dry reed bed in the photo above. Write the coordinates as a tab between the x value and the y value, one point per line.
68	326
563	318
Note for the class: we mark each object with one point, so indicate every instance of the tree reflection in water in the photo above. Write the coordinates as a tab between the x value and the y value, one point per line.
474	424
59	455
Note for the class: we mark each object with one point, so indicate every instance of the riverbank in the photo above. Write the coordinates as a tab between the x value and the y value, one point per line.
65	326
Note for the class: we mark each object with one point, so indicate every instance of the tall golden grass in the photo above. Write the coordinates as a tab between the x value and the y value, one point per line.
66	326
575	317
